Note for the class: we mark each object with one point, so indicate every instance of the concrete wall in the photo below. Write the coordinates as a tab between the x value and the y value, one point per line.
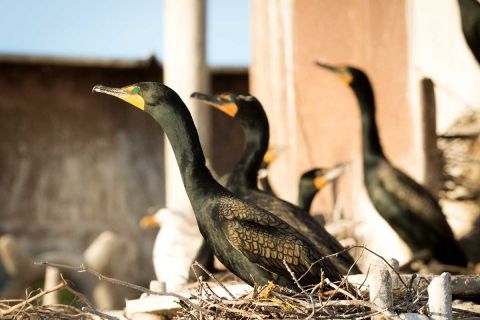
398	43
438	50
316	115
73	163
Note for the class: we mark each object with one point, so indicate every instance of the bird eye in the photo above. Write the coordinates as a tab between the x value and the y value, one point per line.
227	97
136	90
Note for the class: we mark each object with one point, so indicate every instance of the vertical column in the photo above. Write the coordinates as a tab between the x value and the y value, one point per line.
440	297
272	81
185	71
433	165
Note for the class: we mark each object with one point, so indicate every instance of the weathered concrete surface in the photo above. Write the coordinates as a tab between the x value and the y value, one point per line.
423	74
73	163
316	115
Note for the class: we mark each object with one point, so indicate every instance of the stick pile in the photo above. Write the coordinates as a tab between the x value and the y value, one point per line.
382	293
374	298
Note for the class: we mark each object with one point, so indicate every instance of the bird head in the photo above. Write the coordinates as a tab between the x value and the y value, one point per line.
348	74
150	221
244	107
134	94
163	217
319	177
143	95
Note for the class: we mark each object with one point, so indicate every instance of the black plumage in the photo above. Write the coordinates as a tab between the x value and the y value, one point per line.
408	207
242	181
470	17
313	180
249	241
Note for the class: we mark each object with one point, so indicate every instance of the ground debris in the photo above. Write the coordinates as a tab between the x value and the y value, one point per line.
350	298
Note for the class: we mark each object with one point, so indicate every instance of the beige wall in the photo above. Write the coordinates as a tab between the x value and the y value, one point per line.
316	115
438	50
398	43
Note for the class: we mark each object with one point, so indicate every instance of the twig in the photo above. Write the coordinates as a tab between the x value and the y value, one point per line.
294	278
31	299
301	288
79	295
384	260
337	288
465	311
214	278
98	313
320	260
83	268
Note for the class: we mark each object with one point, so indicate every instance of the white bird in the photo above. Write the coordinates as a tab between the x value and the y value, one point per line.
176	245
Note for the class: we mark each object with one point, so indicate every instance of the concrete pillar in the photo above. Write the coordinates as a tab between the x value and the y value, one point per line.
440	297
432	165
103	252
272	82
52	279
18	263
185	71
380	287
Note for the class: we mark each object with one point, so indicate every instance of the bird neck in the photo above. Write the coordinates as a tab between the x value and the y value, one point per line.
305	196
372	149
178	125
256	144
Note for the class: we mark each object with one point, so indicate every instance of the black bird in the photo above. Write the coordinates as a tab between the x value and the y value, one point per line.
470	16
312	181
242	181
407	206
251	242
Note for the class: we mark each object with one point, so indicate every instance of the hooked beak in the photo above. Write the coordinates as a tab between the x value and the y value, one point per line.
125	94
335	172
325	66
217	102
341	71
332	174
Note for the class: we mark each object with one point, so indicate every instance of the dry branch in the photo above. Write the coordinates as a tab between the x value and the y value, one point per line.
100	276
346	300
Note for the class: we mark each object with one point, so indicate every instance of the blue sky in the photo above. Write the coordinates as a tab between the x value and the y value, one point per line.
116	29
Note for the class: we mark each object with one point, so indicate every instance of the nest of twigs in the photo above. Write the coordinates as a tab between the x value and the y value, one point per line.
326	300
35	311
347	299
323	301
31	306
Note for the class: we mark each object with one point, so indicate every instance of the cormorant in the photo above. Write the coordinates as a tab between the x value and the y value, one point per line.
251	242
470	16
176	246
312	181
407	206
242	181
